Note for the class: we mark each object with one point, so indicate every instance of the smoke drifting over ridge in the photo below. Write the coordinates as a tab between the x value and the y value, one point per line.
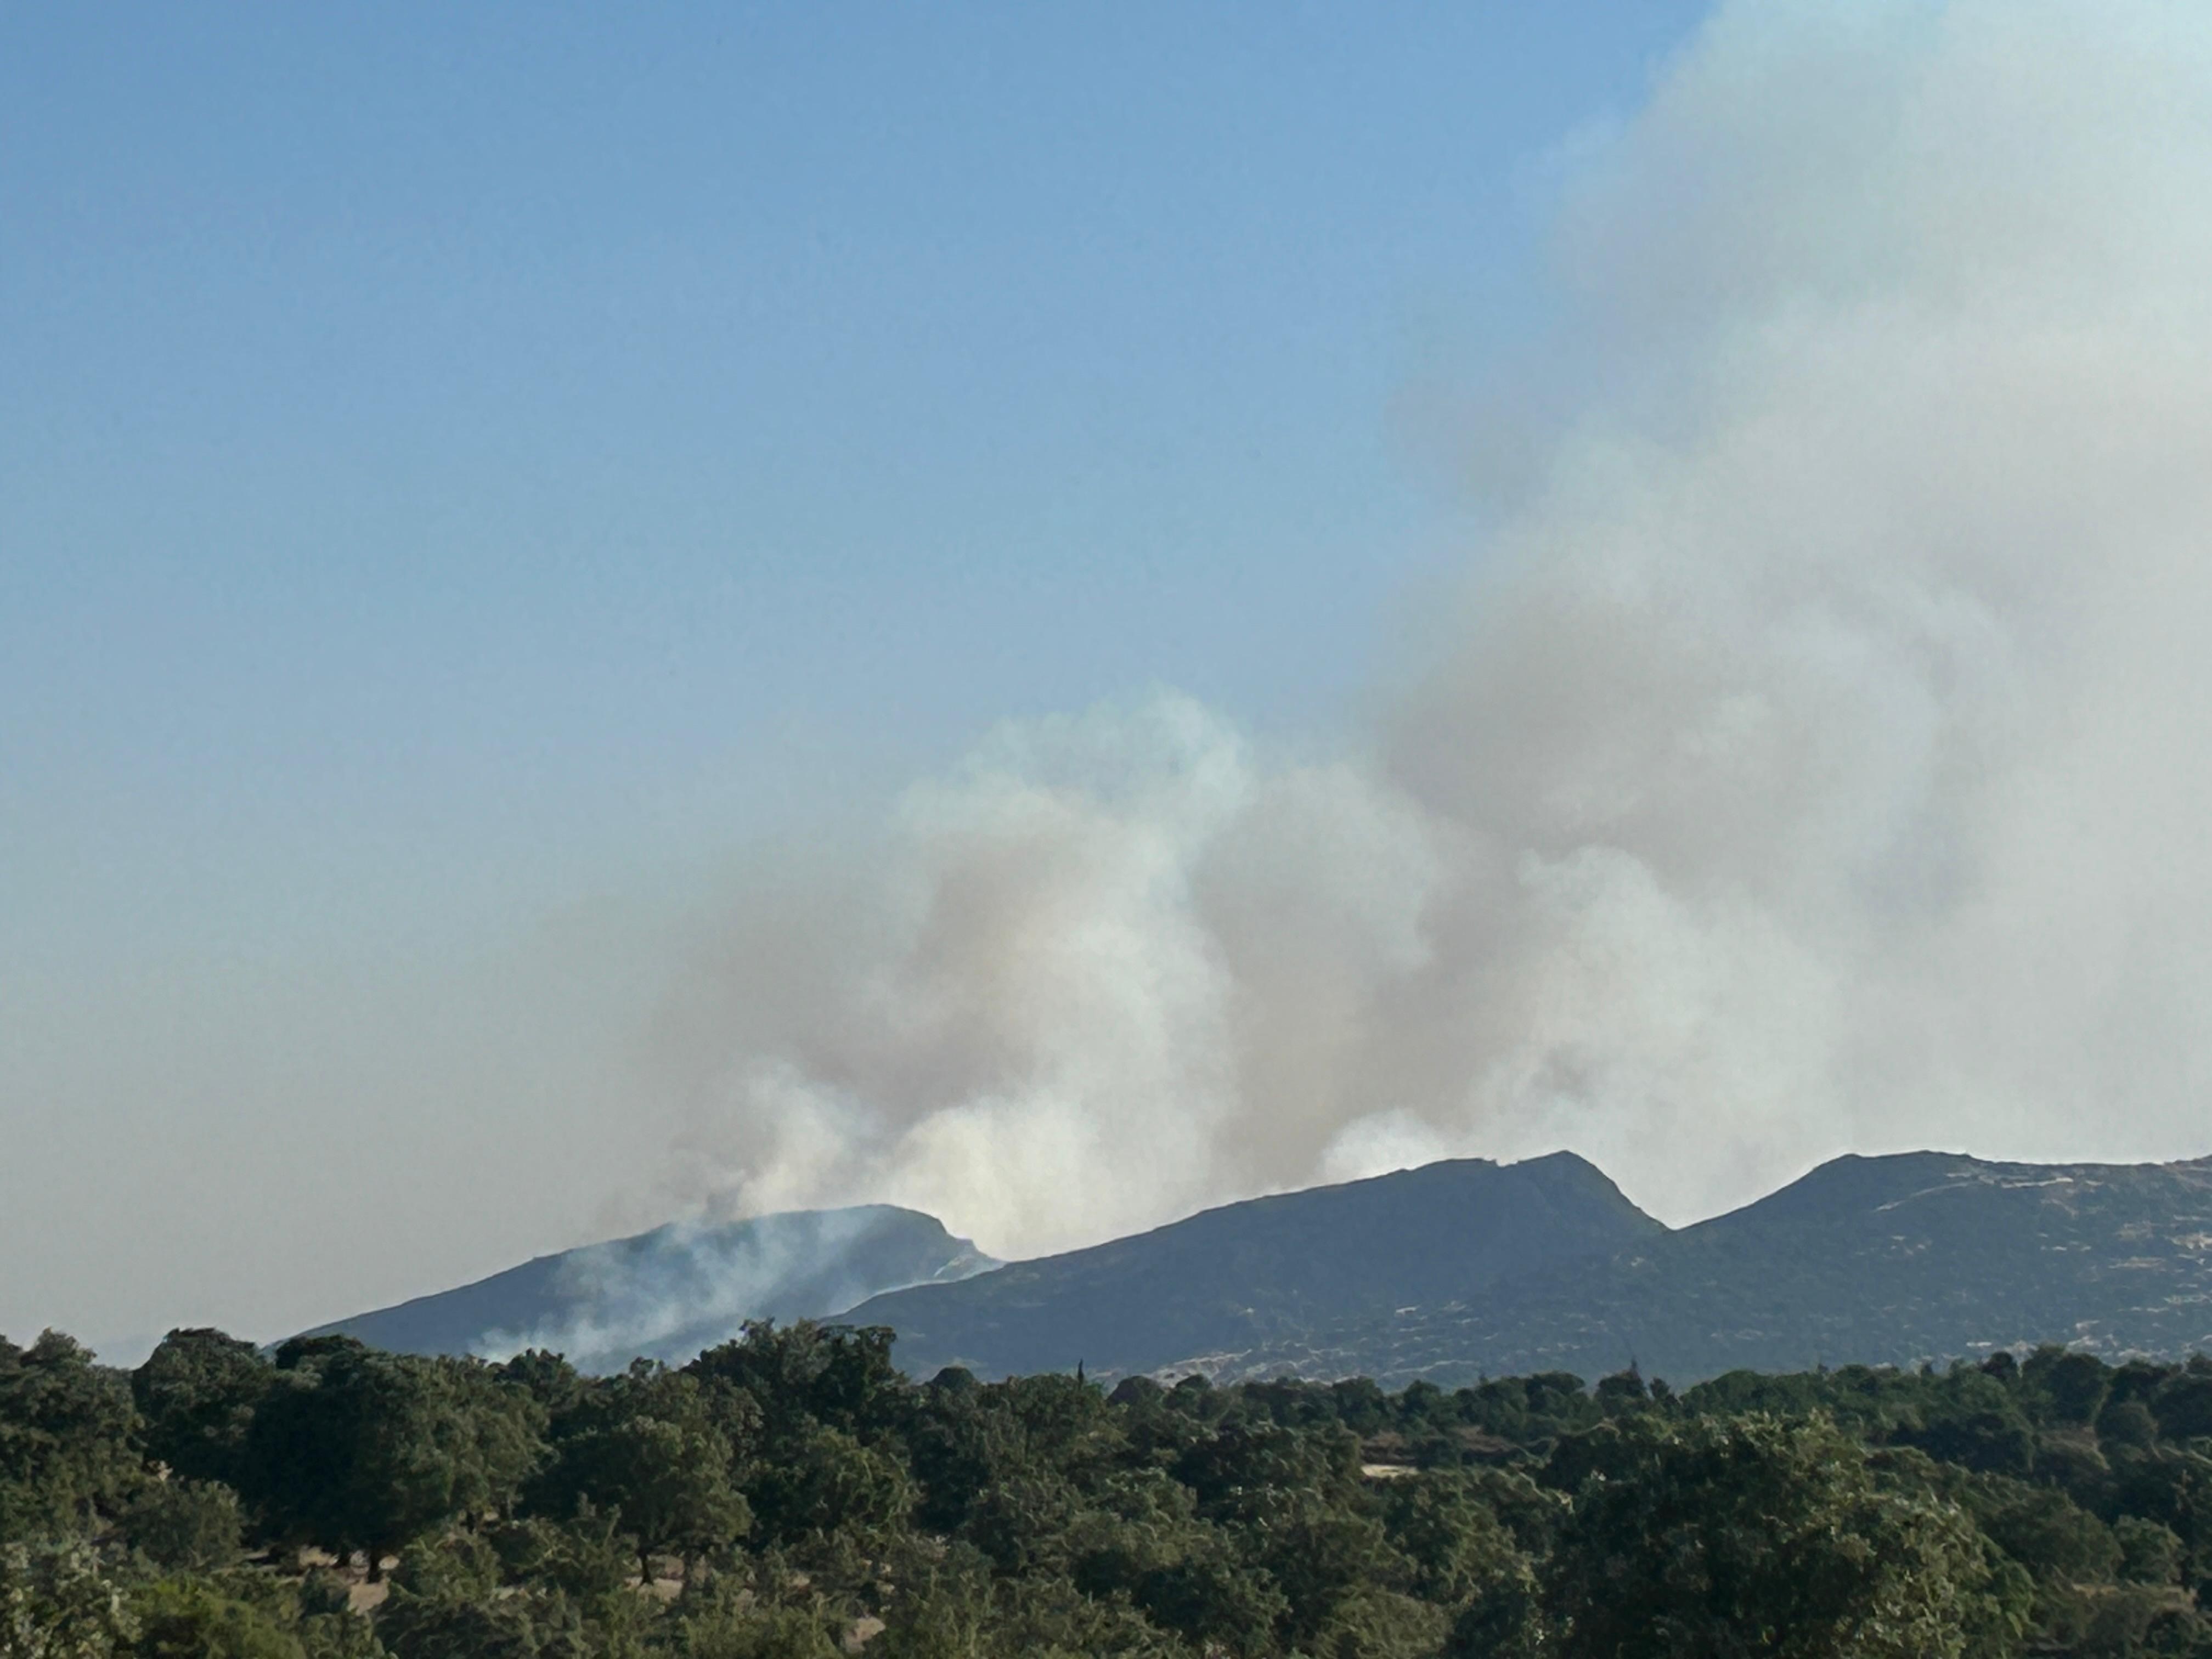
1814	761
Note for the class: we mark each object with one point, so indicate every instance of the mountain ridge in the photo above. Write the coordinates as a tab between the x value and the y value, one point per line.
1896	1259
1262	1268
667	1293
1449	1272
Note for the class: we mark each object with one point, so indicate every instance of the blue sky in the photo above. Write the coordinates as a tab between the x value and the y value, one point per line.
456	464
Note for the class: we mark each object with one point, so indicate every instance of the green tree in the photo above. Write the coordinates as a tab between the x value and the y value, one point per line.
2149	1552
1754	1535
329	1627
55	1603
185	1618
2072	1386
196	1395
806	1373
2042	1528
186	1525
1326	1552
1026	1523
1214	1599
818	1482
961	1443
65	1425
1457	1546
492	1627
1622	1393
2183	1404
732	1632
1974	1420
368	1450
665	1481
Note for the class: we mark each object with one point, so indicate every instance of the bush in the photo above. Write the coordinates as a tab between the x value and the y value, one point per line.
57	1603
191	1526
182	1619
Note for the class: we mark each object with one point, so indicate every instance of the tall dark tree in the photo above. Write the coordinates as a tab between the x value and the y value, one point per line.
196	1394
366	1450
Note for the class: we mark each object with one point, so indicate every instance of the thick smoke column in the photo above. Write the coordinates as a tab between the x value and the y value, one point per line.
1817	762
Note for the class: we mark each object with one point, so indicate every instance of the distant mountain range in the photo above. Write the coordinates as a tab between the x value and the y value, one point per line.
1900	1260
668	1293
1451	1272
1460	1270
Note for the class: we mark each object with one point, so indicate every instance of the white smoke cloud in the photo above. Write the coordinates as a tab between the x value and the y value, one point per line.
1816	759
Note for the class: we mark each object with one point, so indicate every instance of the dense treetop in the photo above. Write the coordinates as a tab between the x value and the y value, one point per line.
792	1493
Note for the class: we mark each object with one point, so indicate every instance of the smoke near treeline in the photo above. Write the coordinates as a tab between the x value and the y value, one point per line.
1812	757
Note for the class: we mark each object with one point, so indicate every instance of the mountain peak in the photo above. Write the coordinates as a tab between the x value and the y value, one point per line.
1883	1181
1245	1273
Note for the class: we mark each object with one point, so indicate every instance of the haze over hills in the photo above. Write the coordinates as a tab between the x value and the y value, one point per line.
669	1293
1264	1274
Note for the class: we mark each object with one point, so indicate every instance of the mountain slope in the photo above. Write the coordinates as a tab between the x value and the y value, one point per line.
1266	1271
668	1293
1923	1256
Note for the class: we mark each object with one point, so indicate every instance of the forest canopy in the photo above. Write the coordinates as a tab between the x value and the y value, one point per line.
792	1494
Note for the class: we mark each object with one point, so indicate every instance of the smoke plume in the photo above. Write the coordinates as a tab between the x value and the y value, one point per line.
1813	758
669	1293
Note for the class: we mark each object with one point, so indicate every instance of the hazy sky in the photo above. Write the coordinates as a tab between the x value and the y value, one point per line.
1062	616
478	488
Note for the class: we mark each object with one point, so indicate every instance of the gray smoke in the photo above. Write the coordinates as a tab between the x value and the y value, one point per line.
1815	758
689	1286
629	1297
